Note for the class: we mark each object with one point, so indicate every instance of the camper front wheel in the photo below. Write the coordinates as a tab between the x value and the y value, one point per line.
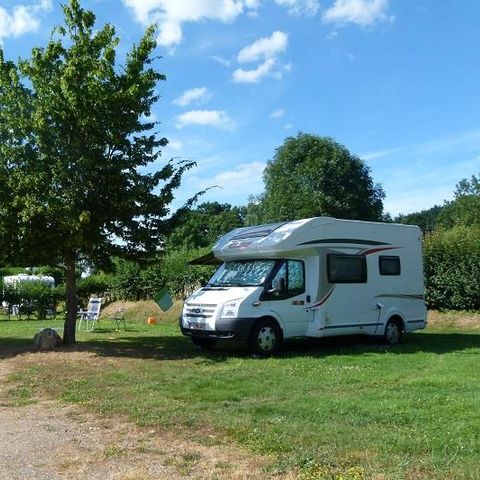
265	338
393	332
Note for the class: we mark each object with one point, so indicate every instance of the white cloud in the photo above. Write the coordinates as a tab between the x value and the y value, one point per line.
255	75
267	47
193	95
171	14
332	35
278	113
235	184
23	19
360	12
243	177
300	7
253	4
265	50
175	144
222	61
213	118
372	156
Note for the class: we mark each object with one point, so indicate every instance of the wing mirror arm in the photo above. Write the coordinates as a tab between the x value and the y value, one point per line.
278	285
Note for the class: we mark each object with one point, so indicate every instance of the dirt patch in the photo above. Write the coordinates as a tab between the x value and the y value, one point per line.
46	440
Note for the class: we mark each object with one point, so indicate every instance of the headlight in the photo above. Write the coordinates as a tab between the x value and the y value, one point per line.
230	309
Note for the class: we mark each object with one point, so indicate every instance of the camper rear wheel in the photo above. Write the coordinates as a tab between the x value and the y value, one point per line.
204	342
265	338
393	331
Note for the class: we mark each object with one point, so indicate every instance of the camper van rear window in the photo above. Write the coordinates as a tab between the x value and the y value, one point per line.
343	268
389	265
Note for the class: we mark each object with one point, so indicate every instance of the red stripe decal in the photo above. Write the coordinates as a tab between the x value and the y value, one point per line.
376	250
324	299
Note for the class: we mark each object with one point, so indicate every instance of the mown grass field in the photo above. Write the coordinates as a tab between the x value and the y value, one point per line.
346	408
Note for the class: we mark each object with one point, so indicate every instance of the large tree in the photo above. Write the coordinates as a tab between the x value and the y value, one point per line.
74	143
311	176
465	208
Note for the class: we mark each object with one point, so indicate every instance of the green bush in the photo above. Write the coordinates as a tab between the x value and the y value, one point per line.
127	282
99	284
35	297
452	268
131	281
179	276
9	294
31	297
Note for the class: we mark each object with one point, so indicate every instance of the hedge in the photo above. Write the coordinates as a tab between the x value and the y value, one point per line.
452	268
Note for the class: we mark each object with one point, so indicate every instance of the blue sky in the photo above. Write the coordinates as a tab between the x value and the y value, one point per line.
397	82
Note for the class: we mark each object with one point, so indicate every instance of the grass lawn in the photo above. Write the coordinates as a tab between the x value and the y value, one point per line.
342	409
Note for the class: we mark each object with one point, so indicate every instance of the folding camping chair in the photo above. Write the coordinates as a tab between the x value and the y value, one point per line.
118	318
89	318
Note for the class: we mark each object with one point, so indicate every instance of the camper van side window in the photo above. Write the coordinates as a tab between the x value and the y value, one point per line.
296	277
343	268
389	265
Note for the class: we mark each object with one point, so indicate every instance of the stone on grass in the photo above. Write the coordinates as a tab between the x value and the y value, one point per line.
47	339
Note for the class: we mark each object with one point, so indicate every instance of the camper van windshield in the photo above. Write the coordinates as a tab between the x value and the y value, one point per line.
250	273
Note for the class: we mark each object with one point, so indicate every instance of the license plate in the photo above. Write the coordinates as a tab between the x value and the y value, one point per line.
197	325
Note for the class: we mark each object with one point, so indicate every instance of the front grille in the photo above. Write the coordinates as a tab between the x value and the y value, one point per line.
200	310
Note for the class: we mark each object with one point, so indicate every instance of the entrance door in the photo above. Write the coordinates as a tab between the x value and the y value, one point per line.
350	309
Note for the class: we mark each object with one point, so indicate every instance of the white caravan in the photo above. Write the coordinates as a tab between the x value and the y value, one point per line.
15	280
24	278
316	277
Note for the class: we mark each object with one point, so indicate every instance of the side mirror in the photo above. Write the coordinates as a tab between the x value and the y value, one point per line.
278	285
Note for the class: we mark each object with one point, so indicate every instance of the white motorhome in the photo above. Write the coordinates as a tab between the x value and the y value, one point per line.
24	278
15	280
316	277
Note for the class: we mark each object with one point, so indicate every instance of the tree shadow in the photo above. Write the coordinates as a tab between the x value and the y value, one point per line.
10	347
177	347
162	348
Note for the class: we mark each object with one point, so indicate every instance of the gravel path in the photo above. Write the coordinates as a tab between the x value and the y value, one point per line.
49	441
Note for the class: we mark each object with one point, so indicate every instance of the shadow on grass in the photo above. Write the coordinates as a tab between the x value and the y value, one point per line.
10	347
427	342
177	347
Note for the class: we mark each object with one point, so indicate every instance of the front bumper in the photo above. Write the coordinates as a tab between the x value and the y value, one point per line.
225	328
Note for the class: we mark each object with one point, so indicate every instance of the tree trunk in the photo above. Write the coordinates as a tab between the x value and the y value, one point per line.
72	303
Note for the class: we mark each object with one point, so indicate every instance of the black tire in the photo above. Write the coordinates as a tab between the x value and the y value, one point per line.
265	338
393	332
204	342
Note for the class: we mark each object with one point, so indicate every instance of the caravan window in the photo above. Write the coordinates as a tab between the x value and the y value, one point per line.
343	268
389	265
